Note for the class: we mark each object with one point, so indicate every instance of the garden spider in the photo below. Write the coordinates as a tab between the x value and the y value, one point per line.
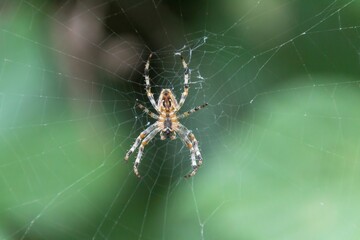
167	121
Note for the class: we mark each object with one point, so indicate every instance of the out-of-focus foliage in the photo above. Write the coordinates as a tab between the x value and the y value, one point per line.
291	173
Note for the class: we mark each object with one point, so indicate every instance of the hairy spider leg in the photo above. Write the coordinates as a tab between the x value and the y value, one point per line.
196	148
183	136
141	149
186	114
147	111
186	83
139	139
147	84
194	142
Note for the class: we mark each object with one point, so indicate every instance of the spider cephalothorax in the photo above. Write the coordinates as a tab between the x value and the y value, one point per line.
167	121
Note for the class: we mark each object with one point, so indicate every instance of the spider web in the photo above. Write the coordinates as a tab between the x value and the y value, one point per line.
280	137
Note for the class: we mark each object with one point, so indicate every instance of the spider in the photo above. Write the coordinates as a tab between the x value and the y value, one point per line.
167	122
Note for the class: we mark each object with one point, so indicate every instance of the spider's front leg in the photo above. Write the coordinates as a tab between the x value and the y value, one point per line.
141	149
194	165
183	136
193	141
196	148
139	138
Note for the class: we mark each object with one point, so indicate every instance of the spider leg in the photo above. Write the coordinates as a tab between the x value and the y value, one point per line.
196	148
147	84
147	111
186	83
186	114
141	149
193	141
183	136
139	139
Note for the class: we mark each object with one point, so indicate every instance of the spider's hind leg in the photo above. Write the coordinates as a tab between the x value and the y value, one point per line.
186	114
147	111
147	84
186	82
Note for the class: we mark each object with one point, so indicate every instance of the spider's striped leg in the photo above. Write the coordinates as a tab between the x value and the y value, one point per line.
147	84
183	136
186	114
196	148
194	142
139	138
186	83
141	149
147	111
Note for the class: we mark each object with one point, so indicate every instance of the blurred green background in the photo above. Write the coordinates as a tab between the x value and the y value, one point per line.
280	137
